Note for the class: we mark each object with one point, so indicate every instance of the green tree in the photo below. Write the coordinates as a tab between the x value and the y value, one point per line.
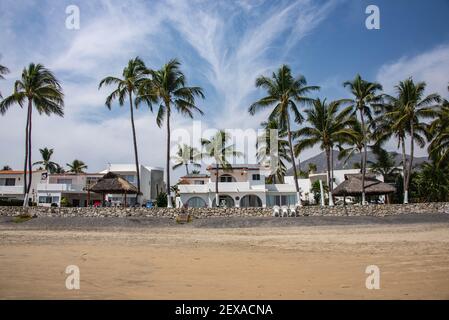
77	166
128	86
284	95
384	165
365	94
6	168
328	125
405	115
37	87
168	87
274	156
3	70
438	148
219	149
185	156
432	182
49	165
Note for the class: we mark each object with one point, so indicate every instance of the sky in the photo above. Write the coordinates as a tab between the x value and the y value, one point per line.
223	47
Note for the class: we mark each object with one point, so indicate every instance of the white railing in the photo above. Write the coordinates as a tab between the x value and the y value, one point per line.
60	187
222	187
11	189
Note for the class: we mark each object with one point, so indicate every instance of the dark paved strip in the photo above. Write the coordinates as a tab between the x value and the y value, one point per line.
85	223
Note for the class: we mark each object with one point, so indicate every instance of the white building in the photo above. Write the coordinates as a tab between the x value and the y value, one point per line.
151	182
244	186
74	187
71	186
11	184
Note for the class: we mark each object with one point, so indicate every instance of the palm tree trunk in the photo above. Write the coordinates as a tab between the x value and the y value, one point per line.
30	166
25	179
136	157
295	172
362	120
410	164
169	205
404	169
217	196
187	168
329	181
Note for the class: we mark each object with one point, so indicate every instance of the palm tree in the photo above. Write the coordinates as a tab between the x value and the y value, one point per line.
39	87
275	156
404	116
354	146
49	165
384	165
439	132
218	148
365	94
284	94
186	155
168	87
328	126
77	166
6	168
3	70
133	76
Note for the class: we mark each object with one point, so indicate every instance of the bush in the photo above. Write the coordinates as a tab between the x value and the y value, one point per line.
161	200
65	202
11	202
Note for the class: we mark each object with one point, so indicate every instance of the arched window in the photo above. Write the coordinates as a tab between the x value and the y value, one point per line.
250	200
196	202
225	200
226	178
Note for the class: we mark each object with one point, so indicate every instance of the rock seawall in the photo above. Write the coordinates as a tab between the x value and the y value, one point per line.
354	210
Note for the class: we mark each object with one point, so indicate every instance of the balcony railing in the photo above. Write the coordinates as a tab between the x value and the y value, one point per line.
222	187
61	187
11	189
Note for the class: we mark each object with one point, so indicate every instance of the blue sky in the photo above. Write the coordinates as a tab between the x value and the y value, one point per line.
223	46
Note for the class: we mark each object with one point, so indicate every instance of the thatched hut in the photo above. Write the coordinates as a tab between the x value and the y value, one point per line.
112	183
352	186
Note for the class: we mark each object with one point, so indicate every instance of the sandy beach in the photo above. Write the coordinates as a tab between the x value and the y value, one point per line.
257	262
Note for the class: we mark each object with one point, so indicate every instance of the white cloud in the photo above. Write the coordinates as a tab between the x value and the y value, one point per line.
431	66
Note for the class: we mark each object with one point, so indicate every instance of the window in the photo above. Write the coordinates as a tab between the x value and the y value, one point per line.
250	201
64	181
8	182
227	178
281	200
198	182
256	177
196	202
48	199
130	178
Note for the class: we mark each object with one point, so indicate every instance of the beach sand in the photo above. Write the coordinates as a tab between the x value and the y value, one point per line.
320	262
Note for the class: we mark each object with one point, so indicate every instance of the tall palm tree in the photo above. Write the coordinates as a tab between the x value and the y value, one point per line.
365	94
3	70
77	166
168	87
284	95
128	85
49	165
185	156
353	146
39	87
405	113
328	125
439	132
219	149
275	156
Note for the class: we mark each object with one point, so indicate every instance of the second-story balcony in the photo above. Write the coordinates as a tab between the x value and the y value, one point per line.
60	187
222	187
11	190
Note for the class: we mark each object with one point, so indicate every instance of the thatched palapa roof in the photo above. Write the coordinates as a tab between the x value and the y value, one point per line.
352	186
113	183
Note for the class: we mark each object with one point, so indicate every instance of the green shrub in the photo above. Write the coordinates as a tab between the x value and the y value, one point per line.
161	200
